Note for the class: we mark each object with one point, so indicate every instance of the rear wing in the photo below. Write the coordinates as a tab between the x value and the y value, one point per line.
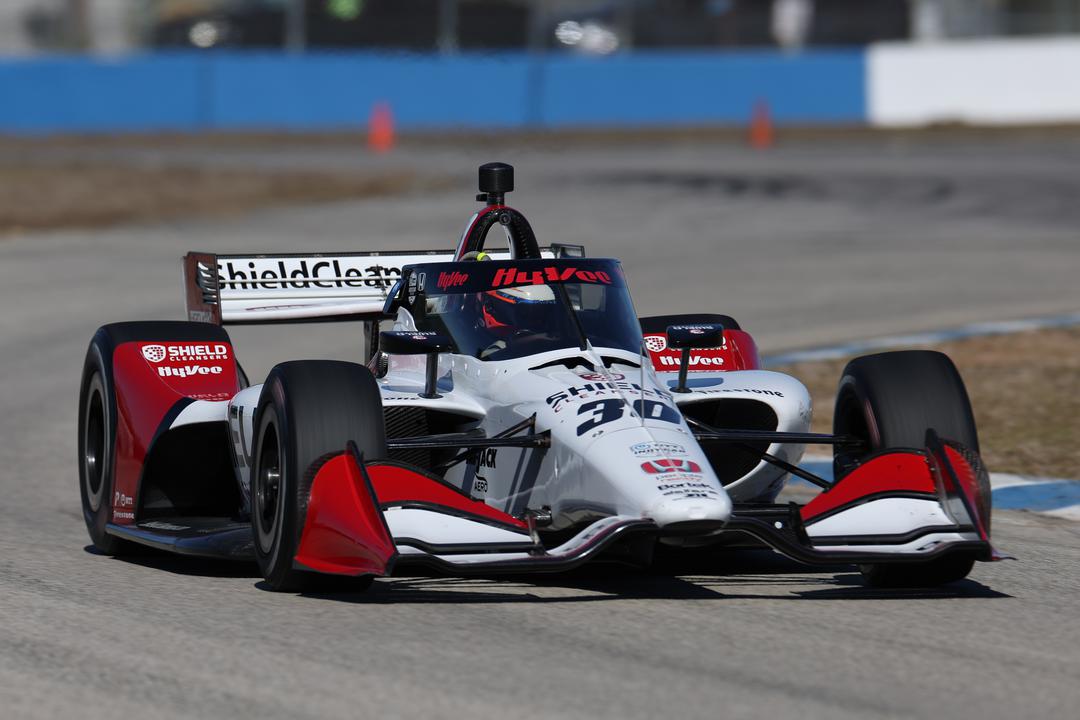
305	287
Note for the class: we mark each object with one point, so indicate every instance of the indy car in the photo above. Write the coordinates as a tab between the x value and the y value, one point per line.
513	414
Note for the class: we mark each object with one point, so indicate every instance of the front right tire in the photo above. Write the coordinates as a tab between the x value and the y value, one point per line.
890	400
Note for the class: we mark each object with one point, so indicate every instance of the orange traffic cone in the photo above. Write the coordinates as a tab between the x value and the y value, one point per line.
381	128
761	127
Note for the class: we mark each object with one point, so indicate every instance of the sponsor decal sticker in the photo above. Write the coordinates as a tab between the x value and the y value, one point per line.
670	465
697	360
186	360
656	343
185	371
452	279
178	352
654	449
161	525
600	389
486	458
513	276
754	391
153	353
598	377
304	274
667	359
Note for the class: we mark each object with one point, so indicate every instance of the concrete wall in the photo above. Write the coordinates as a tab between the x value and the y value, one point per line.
993	82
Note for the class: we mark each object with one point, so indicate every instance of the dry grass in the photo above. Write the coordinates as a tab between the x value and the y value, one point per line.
39	196
1024	388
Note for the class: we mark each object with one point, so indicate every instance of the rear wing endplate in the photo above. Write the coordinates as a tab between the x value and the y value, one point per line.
235	289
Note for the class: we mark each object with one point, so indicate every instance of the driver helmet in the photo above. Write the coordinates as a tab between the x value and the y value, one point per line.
525	308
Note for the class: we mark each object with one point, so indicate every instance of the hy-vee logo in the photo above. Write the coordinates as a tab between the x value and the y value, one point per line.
513	276
453	279
695	360
183	371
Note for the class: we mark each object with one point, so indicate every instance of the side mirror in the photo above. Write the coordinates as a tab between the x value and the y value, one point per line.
695	336
411	342
688	337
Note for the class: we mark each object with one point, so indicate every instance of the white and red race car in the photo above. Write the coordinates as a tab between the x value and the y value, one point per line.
518	416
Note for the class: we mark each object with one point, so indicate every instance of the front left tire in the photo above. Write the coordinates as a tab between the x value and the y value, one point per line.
97	448
308	412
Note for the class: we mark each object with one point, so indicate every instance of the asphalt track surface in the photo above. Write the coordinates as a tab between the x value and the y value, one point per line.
870	251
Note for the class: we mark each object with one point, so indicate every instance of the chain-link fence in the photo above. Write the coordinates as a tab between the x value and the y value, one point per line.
580	26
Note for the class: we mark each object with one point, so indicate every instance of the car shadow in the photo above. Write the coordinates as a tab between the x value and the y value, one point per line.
730	575
735	575
148	557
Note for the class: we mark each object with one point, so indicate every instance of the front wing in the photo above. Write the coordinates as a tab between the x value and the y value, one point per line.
900	506
366	518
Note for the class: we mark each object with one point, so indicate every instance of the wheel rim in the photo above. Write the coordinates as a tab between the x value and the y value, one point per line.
94	447
268	489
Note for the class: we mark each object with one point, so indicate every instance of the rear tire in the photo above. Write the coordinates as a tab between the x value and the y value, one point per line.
308	412
890	400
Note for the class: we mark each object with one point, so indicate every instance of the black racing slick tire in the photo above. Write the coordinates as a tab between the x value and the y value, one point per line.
890	400
308	412
97	446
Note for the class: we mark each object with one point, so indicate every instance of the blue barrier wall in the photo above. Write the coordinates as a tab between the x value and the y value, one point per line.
321	91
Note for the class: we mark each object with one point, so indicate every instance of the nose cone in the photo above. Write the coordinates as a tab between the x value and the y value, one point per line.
689	511
663	475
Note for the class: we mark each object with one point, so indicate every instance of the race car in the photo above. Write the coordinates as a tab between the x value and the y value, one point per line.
513	414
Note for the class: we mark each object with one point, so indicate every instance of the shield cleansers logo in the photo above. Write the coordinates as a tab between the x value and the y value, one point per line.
656	343
153	353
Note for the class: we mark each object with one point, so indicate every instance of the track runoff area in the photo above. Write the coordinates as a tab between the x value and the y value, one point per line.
1053	496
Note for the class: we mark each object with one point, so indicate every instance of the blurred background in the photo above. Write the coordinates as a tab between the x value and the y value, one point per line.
910	164
152	65
588	26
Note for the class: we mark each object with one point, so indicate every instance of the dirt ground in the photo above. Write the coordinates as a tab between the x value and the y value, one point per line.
1023	389
49	195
